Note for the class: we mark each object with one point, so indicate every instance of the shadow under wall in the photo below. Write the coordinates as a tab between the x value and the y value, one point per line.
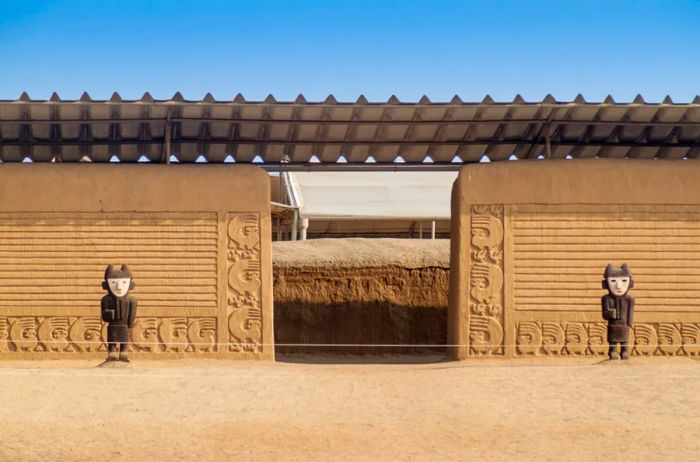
335	329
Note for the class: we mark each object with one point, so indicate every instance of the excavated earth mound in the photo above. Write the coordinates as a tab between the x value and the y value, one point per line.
332	293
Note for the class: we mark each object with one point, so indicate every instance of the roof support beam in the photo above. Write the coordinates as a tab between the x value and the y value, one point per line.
384	121
367	142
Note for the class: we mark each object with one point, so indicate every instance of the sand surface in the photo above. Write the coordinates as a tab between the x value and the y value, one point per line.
362	253
439	411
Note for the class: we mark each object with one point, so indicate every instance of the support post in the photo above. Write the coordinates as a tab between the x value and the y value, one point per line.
432	230
304	228
295	224
168	139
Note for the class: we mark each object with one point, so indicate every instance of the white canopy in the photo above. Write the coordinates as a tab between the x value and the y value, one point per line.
373	195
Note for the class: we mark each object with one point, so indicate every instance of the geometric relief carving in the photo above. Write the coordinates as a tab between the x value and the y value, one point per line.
486	280
566	338
590	338
690	337
174	334
244	293
89	334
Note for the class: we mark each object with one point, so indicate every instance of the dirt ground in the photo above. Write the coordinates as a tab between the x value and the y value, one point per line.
312	409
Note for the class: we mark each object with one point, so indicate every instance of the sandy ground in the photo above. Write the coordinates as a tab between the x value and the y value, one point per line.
324	410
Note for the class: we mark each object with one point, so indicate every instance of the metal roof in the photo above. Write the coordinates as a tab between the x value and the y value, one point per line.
390	133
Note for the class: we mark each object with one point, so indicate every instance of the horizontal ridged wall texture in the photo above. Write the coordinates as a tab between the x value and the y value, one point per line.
530	243
559	253
58	259
197	241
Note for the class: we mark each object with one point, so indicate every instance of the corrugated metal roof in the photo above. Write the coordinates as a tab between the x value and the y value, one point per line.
359	131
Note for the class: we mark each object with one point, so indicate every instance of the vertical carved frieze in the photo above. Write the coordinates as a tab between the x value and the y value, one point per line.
244	295
4	335
486	281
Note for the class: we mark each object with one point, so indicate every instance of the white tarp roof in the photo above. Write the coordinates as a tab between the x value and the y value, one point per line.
374	195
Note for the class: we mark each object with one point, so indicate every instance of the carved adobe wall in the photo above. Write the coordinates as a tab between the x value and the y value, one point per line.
197	239
531	240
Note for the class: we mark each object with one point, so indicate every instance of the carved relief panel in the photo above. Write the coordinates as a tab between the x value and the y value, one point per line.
486	280
244	288
66	334
589	338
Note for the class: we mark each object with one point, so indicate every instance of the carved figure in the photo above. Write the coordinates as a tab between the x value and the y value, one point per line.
118	310
618	308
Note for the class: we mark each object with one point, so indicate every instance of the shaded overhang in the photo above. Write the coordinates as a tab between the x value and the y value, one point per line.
373	195
330	134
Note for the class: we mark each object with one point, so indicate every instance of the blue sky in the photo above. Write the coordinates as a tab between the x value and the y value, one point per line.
347	48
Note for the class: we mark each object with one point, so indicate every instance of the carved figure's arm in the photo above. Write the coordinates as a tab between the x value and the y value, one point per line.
608	313
107	314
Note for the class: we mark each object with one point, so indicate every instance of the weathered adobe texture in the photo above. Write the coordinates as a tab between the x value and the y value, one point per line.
530	243
196	238
361	292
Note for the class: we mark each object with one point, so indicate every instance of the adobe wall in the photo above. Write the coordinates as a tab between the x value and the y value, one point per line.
361	292
196	238
530	242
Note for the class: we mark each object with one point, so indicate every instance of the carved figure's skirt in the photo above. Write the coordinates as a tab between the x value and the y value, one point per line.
117	334
618	334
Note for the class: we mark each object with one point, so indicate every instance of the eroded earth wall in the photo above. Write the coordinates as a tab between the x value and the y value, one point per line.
332	294
196	238
531	240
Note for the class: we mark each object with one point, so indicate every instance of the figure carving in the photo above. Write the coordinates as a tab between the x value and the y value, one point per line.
202	334
23	334
486	280
244	295
86	334
4	335
118	310
690	336
486	231
552	338
144	335
597	334
618	308
645	339
670	339
485	335
529	338
53	333
576	338
173	334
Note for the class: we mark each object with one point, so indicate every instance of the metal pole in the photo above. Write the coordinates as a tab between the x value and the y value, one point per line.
167	148
432	230
295	224
304	227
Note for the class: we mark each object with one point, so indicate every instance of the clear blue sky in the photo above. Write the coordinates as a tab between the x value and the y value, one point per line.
347	48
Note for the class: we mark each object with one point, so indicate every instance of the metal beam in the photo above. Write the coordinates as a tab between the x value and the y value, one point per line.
630	123
455	143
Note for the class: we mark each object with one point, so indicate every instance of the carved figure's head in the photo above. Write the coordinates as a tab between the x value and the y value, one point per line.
618	280
118	281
